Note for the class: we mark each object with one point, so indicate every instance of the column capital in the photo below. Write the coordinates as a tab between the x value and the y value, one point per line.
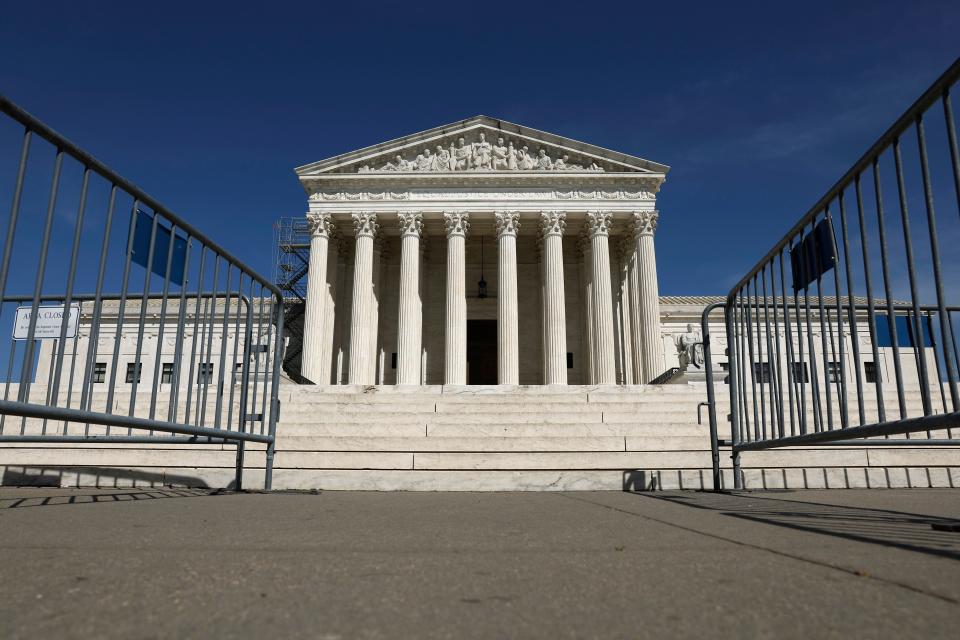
553	222
365	224
320	224
508	223
598	222
645	222
457	223
411	224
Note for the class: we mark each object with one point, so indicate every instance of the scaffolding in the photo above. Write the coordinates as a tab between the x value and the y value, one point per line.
291	260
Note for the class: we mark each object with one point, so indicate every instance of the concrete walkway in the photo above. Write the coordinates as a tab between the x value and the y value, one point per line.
186	563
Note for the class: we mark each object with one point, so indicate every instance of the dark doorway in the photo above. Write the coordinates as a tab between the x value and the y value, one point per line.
481	351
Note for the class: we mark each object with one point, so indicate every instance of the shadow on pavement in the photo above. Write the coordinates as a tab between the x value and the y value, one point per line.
909	531
132	495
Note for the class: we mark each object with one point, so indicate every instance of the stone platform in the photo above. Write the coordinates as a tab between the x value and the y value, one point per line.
469	438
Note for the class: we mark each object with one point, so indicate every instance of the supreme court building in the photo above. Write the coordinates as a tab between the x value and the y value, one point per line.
482	252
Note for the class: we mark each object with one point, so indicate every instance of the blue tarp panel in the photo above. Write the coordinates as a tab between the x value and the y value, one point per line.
814	256
143	228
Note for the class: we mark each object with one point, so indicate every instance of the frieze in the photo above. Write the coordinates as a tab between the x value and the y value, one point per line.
480	154
359	195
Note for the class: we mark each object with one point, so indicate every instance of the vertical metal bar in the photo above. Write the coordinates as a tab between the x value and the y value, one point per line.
773	361
851	314
73	360
937	274
162	322
26	372
842	364
241	300
274	395
755	312
223	348
729	311
824	352
256	364
711	394
871	310
891	316
801	372
202	406
6	386
814	373
195	338
267	363
68	298
121	305
93	342
144	301
791	367
912	274
14	214
753	365
172	410
778	369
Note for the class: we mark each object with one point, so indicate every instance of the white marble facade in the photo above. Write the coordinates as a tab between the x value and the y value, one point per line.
560	231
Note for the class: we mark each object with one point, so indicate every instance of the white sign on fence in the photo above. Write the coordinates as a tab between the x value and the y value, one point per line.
49	322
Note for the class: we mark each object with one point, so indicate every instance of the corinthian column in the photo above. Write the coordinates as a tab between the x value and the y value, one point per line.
455	347
648	296
361	345
330	307
552	224
508	348
410	323
604	368
314	316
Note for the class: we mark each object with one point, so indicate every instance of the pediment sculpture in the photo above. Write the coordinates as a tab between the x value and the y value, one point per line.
481	155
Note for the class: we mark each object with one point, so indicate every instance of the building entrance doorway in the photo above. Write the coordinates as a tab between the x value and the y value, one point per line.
481	352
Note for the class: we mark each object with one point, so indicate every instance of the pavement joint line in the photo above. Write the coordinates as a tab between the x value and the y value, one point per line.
777	552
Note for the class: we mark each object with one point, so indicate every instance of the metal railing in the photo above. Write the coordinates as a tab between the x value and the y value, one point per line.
178	343
847	328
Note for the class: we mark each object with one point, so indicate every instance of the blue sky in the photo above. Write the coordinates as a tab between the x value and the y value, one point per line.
757	107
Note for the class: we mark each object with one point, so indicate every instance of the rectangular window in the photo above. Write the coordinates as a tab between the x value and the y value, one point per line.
130	371
761	372
166	375
100	372
799	372
833	371
870	371
205	372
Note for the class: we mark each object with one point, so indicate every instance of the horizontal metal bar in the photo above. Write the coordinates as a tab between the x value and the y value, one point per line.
39	128
76	415
897	427
893	442
930	96
105	439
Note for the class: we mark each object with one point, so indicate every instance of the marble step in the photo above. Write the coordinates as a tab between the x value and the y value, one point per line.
493	444
469	429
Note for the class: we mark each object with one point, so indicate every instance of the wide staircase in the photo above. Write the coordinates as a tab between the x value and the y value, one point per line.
482	439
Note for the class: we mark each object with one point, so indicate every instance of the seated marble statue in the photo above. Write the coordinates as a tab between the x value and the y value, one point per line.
441	160
464	156
690	348
482	151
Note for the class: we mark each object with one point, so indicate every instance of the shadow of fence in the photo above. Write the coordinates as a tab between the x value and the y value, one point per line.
913	532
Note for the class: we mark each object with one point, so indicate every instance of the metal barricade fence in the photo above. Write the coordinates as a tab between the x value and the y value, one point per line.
138	328
847	328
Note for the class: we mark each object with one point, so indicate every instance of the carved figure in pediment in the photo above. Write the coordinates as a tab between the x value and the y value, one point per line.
500	156
544	163
594	167
482	153
511	157
424	161
561	163
463	155
441	161
364	169
525	160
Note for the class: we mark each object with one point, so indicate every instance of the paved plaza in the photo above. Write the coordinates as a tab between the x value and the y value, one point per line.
129	563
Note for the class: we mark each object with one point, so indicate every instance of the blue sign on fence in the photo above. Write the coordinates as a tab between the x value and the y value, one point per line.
814	256
142	230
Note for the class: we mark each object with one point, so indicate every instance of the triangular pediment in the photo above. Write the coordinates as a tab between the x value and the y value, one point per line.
481	145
